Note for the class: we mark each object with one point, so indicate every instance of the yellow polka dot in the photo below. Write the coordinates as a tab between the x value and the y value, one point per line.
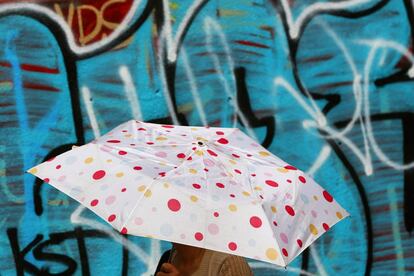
273	208
128	135
88	160
148	193
120	174
271	254
109	160
162	163
194	128
339	215
142	188
264	153
315	197
257	188
233	162
246	193
193	171
282	170
194	198
199	152
313	229
232	207
166	185
33	170
201	139
161	138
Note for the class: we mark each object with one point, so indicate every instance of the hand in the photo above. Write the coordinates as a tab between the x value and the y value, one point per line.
74	146
168	269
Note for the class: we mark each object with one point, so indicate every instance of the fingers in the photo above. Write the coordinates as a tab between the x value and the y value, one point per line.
74	146
168	268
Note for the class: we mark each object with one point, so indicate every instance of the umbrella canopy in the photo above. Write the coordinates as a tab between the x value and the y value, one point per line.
208	187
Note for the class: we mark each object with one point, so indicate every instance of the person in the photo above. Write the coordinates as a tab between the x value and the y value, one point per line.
185	260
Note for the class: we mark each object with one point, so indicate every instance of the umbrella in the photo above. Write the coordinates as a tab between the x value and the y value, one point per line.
209	187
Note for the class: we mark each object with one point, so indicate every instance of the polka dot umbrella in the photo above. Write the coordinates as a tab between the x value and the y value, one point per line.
208	187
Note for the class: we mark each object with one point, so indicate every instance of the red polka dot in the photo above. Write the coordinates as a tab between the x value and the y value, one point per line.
150	143
327	196
162	174
271	183
174	205
256	222
198	236
253	174
51	159
137	168
288	167
216	214
299	242
190	158
123	190
58	167
285	253
124	231
289	181
219	132
223	141
98	174
122	152
232	195
114	141
141	129
212	153
232	246
237	171
220	185
249	155
168	126
196	186
46	180
290	210
235	155
302	179
94	202
325	226
181	155
274	223
111	218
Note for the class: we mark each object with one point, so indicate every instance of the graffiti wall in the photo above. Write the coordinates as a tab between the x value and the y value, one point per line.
326	85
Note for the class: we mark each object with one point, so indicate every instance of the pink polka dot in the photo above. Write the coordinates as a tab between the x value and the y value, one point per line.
124	231
232	246
110	199
216	214
288	167
325	226
302	179
181	155
314	214
122	152
58	167
256	222
111	218
284	238
168	126
114	141
213	229
271	183
299	242
219	132
196	186
327	196
174	205
198	236
51	159
94	202
98	174
137	168
138	221
285	253
223	141
290	210
220	185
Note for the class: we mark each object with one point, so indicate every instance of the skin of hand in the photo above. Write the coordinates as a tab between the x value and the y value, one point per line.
168	269
74	146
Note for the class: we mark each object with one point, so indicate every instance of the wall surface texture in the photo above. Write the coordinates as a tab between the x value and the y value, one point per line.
326	85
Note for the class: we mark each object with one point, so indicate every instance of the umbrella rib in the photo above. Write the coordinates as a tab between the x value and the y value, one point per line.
149	186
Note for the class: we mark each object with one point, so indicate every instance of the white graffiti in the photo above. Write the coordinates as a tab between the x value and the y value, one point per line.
131	92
